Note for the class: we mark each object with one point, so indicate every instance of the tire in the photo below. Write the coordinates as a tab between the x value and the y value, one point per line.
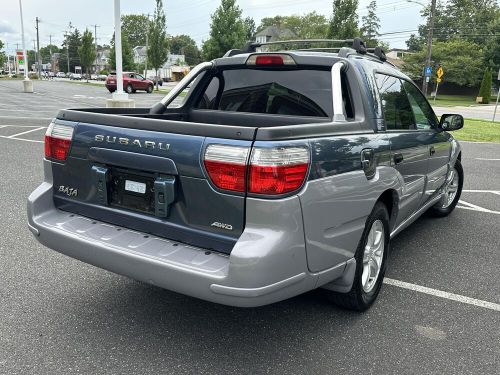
111	91
149	90
129	89
365	289
452	191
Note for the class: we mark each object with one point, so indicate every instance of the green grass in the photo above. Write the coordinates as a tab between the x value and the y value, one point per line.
479	131
456	100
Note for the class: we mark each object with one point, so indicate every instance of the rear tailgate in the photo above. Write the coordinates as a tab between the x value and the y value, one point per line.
150	181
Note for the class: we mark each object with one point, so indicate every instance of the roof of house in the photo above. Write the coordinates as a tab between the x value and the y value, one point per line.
276	33
140	50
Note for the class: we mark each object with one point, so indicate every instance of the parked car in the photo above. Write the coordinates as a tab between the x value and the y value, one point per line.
131	82
75	76
61	75
93	77
278	172
101	77
154	79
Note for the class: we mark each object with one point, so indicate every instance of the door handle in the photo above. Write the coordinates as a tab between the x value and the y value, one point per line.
398	158
368	162
432	150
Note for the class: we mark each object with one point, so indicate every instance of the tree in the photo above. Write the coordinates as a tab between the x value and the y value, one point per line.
308	26
344	21
127	54
157	46
227	30
135	26
46	51
185	45
370	25
73	41
87	51
485	90
249	24
3	58
460	59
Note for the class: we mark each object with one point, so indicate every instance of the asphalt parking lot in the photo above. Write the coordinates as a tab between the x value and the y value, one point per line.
438	313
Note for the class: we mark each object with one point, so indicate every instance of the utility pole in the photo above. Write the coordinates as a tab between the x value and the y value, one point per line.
27	84
39	62
67	44
430	29
146	59
95	36
50	52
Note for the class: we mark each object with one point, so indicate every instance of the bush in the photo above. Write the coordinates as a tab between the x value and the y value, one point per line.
104	71
485	90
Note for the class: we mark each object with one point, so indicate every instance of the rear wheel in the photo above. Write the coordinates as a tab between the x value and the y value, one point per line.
452	191
111	91
149	89
371	260
129	89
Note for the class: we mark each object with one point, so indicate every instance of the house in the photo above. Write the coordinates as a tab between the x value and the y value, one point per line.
274	33
101	60
140	54
396	55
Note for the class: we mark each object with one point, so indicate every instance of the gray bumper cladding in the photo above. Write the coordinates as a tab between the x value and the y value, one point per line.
267	264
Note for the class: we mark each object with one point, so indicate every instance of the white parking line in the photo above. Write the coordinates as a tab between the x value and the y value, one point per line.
28	118
26	132
21	139
491	143
442	294
23	126
473	207
487	159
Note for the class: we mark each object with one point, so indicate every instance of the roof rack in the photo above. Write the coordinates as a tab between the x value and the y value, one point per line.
348	46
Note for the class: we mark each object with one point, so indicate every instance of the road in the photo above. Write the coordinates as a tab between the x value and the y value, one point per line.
61	316
483	112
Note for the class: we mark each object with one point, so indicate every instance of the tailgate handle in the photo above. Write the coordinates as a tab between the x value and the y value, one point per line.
164	194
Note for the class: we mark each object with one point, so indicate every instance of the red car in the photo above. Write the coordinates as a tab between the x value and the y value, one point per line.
131	82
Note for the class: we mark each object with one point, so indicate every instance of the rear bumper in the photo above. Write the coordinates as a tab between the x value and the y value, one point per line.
267	264
110	86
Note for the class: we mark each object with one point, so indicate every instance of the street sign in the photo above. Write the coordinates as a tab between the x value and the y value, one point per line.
428	71
498	74
440	72
438	80
427	79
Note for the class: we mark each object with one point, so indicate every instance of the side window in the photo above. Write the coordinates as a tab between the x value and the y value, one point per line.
131	75
398	112
207	101
424	115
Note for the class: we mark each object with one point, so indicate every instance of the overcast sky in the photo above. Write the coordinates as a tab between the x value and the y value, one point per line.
183	17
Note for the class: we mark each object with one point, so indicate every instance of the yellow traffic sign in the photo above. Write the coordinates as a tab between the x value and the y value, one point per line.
438	80
440	72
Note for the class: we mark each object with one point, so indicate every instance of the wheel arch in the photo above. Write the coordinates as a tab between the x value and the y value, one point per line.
390	199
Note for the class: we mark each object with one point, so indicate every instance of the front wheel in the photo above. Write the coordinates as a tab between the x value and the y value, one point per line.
371	260
129	89
452	190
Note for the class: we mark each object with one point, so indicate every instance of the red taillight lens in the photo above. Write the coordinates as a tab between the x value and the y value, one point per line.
226	166
58	141
278	170
269	60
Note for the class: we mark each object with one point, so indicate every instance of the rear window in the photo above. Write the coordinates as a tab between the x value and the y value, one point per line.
284	92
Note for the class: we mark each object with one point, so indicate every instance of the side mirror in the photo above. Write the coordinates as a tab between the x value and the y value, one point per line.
451	122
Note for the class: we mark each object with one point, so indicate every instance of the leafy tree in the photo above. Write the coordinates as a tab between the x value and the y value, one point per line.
135	26
45	52
127	54
308	26
185	45
249	28
485	90
157	48
227	30
491	49
3	57
87	51
73	41
370	25
460	59
344	21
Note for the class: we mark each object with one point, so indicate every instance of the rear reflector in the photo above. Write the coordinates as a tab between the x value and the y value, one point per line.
58	141
271	59
226	166
278	170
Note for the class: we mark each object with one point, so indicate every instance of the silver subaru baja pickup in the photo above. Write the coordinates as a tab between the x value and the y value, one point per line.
278	173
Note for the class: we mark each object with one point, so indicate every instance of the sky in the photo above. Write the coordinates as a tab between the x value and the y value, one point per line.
183	17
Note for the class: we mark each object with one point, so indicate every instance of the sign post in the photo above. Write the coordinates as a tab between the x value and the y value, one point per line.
498	96
439	75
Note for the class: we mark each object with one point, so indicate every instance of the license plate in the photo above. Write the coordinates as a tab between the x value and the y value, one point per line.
134	186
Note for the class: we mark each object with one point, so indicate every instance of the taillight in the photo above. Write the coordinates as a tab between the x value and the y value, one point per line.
226	166
277	170
58	141
271	59
272	171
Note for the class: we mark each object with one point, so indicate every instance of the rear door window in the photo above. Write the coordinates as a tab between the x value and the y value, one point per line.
298	92
397	109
